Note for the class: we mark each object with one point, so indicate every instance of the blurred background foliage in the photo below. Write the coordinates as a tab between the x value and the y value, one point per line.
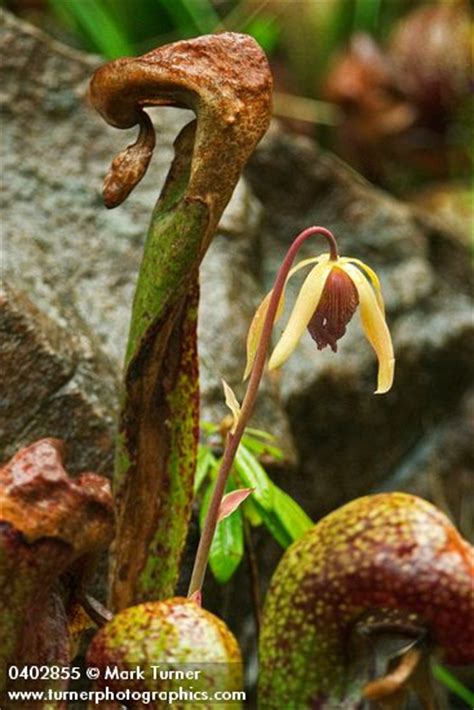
353	74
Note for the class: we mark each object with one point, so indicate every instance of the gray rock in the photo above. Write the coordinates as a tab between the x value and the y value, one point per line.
54	383
440	466
36	354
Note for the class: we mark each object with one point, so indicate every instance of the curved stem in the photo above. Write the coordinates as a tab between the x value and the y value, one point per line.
233	439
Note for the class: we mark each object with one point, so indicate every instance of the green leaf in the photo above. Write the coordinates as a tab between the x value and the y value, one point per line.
273	524
252	475
450	681
227	547
269	504
206	462
290	514
251	513
286	521
208	427
280	514
262	448
259	433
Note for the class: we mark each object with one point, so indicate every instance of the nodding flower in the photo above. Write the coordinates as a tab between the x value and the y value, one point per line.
331	293
326	302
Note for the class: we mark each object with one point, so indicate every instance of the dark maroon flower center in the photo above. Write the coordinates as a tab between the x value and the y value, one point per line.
336	307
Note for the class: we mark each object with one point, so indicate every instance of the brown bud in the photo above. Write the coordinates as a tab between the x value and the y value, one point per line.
338	303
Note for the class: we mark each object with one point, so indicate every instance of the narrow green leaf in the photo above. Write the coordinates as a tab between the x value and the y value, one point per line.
286	521
227	547
274	526
262	448
251	513
450	681
252	475
208	427
290	514
259	433
206	462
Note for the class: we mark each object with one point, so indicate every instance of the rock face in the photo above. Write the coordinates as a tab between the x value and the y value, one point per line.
55	381
77	263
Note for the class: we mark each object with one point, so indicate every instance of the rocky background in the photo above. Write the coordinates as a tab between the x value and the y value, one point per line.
69	268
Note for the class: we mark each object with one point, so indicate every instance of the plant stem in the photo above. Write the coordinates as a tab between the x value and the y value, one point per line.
254	575
233	439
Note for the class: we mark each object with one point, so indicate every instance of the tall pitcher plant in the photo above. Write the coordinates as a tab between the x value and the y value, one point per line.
226	81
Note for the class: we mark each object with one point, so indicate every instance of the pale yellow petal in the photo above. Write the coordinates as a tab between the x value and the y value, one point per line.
255	330
233	404
375	328
373	278
307	262
306	303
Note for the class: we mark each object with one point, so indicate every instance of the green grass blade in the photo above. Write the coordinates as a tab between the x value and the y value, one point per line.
366	16
97	24
192	16
266	30
454	685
